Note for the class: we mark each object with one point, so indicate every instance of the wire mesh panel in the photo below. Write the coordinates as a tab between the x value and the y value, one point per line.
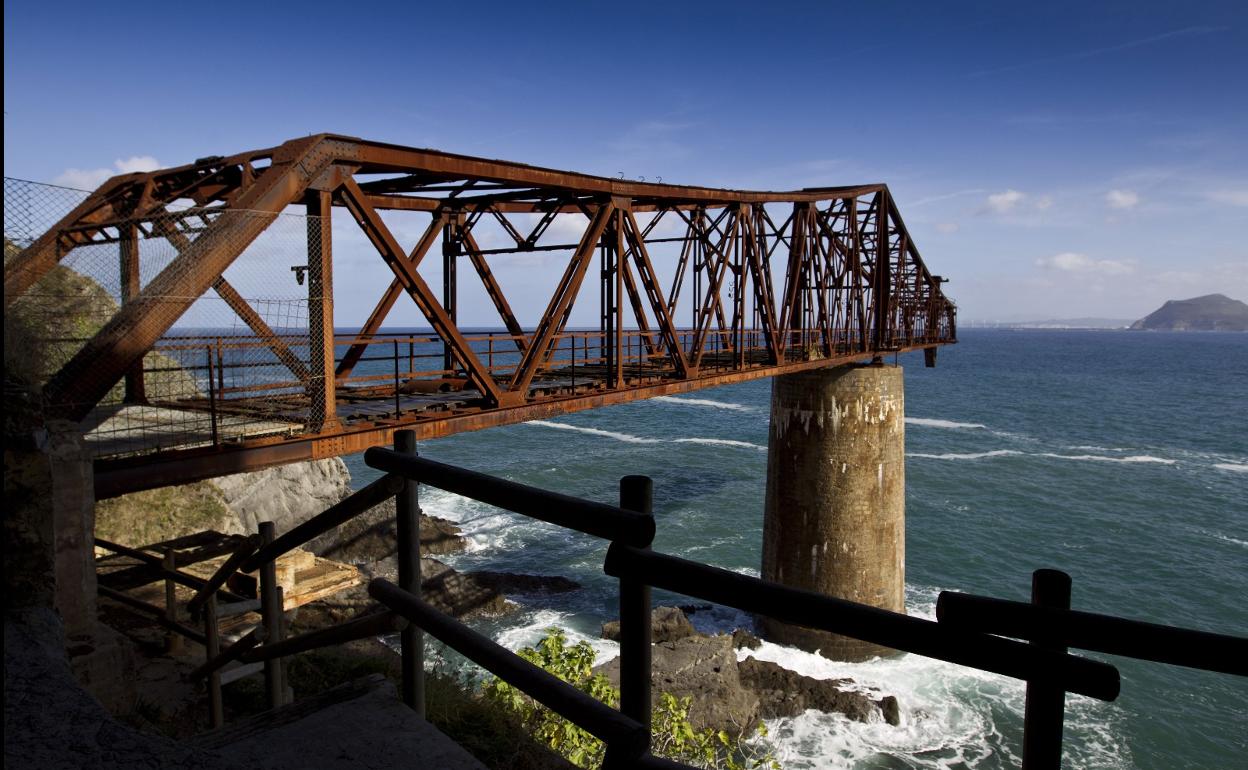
232	362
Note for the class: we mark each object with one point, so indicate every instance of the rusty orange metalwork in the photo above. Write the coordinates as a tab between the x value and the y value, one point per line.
775	282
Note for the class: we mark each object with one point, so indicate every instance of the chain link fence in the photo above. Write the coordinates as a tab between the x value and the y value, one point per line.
233	362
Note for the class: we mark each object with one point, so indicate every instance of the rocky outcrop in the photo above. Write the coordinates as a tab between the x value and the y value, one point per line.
704	669
1212	312
667	624
785	693
373	536
729	695
286	495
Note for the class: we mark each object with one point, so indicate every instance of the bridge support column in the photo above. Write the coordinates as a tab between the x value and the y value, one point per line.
836	497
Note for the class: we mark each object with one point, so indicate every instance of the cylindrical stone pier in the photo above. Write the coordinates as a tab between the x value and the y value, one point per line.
836	496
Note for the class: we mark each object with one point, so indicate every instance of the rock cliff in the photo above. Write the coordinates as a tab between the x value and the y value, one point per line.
1212	312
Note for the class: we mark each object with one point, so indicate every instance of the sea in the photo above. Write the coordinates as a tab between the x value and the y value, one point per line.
1118	457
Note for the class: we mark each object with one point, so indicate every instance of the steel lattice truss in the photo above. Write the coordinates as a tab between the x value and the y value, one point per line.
766	282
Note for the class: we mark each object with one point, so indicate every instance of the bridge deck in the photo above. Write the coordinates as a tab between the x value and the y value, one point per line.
771	282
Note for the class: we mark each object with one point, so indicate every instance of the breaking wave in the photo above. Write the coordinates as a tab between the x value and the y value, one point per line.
704	402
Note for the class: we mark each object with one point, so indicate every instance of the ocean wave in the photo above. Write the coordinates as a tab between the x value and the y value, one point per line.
966	456
932	423
631	439
596	432
1092	448
951	716
719	442
1102	458
534	624
1233	467
705	402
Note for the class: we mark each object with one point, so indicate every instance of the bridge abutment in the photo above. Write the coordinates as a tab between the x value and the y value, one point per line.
836	495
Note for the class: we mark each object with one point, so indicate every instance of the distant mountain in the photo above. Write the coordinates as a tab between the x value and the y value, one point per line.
1212	312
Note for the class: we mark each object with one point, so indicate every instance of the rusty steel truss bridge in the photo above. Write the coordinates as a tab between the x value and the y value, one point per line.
765	283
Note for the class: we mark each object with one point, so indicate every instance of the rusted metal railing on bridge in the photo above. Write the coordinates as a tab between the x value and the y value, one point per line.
694	287
970	630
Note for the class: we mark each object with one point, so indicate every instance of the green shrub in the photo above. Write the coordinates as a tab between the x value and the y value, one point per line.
672	734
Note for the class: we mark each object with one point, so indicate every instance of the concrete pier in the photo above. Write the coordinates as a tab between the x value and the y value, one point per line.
836	495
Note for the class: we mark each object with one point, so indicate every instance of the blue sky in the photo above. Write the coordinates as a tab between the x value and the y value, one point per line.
1054	160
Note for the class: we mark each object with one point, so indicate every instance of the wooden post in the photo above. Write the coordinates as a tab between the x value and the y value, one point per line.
173	642
271	613
636	494
1046	704
212	646
412	639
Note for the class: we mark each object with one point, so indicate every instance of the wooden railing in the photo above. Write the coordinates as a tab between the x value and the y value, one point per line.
969	631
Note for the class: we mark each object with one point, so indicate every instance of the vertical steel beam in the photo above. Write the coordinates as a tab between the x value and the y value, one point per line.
450	291
135	390
881	290
324	408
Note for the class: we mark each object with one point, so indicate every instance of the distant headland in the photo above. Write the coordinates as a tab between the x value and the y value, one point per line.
1212	312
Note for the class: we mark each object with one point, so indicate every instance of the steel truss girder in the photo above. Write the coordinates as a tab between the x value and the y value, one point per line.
839	269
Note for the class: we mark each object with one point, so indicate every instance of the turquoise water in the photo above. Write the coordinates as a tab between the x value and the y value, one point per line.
1121	458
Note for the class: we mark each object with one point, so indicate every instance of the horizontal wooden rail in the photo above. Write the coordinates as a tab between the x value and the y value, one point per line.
223	573
337	514
1096	632
626	739
375	624
157	614
233	652
861	621
587	516
181	578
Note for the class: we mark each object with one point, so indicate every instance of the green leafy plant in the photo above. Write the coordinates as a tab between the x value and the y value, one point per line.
673	736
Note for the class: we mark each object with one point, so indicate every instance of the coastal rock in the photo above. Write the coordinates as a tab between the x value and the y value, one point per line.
785	693
731	695
518	583
703	668
373	536
742	638
667	624
286	495
1212	312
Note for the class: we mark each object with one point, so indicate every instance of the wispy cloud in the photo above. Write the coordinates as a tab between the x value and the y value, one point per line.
1229	197
1093	52
1004	202
1074	262
944	197
89	179
1122	199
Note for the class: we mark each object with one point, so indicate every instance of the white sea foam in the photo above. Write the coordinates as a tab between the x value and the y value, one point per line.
719	442
1233	467
534	625
1092	448
631	439
951	716
596	432
932	423
1102	458
705	402
966	456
